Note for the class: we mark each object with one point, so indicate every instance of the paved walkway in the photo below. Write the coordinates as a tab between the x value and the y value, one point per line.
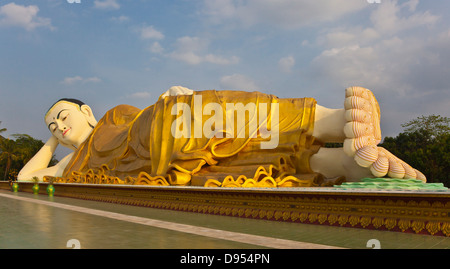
256	240
38	221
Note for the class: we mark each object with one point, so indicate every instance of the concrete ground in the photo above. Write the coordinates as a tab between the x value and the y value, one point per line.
29	221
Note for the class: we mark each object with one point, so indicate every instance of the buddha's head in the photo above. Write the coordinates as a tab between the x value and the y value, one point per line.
70	121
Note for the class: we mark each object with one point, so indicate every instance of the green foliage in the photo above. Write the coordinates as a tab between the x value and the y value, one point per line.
8	153
334	145
425	145
432	125
14	154
27	146
35	179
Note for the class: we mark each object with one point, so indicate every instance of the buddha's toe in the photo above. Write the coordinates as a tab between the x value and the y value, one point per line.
357	91
420	176
400	169
366	156
396	170
357	129
351	146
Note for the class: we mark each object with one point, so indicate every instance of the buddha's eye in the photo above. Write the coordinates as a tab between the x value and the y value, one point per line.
64	116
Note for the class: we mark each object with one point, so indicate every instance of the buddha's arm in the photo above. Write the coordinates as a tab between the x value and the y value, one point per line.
38	165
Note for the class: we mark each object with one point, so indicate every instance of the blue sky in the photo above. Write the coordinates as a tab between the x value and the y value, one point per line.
111	52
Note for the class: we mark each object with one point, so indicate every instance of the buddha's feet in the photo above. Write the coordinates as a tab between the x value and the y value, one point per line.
363	134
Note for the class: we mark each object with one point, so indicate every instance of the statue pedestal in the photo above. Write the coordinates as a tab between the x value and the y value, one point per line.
413	211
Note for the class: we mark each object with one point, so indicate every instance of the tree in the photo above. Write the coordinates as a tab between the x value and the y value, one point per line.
433	125
14	154
28	147
425	145
9	153
2	129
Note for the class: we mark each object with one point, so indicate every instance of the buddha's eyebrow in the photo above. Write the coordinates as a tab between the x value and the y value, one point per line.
57	117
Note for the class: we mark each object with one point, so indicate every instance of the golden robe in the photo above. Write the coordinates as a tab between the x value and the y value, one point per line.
128	142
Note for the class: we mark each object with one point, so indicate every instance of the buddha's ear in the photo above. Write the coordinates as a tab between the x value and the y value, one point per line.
87	111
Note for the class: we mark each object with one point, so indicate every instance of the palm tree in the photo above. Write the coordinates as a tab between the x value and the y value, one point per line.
8	152
2	129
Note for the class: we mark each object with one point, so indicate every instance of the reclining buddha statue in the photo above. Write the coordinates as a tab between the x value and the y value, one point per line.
219	138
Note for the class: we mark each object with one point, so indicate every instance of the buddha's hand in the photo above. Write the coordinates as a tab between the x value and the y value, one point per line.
72	147
52	141
177	90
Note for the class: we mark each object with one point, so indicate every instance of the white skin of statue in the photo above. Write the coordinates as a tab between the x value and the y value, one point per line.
71	124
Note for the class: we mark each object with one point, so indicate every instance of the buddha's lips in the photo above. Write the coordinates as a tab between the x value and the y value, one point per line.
65	132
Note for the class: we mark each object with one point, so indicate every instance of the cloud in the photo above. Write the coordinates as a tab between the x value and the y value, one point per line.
187	49
149	32
398	46
139	95
358	66
403	60
238	82
78	79
389	20
156	48
216	59
285	64
282	13
386	18
106	4
23	16
193	51
92	79
120	19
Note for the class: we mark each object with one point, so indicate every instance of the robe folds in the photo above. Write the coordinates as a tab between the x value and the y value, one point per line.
128	141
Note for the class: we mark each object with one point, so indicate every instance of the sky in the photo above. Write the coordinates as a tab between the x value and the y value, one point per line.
111	52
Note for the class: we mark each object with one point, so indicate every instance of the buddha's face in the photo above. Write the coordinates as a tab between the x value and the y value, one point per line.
70	123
